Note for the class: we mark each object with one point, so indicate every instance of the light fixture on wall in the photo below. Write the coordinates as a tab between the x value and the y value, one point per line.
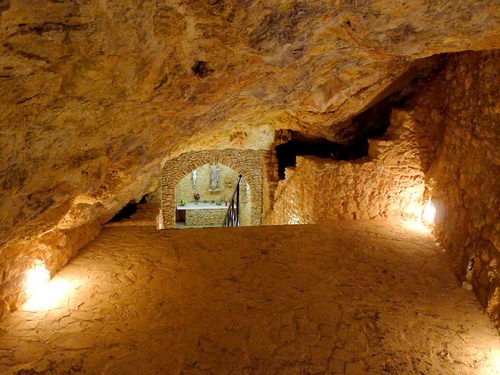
429	212
43	293
37	278
495	360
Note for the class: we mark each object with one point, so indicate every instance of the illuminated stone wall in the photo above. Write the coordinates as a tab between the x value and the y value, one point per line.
185	188
248	163
51	250
444	145
205	217
387	183
465	175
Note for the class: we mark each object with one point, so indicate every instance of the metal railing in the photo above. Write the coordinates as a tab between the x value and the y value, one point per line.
232	218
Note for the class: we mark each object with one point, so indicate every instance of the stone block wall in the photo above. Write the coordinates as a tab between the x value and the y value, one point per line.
465	174
205	217
248	163
387	183
185	188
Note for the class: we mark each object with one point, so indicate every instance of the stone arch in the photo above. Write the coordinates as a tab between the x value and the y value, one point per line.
248	163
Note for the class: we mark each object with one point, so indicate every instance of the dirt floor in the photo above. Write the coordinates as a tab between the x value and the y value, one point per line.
340	298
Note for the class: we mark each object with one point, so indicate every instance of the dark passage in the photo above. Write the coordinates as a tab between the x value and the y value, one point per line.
300	145
369	124
128	210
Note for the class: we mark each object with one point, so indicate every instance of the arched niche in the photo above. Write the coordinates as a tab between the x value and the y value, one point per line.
217	197
248	163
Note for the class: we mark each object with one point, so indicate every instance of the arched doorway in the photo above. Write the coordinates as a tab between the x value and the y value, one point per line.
248	163
202	196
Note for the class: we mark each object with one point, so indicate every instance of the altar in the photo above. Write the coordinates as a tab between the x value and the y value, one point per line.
203	214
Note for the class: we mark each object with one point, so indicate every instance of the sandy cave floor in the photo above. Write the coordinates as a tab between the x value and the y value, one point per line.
342	298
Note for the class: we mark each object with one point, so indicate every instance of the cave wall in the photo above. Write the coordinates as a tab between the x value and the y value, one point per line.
99	88
75	224
387	183
444	144
465	175
248	163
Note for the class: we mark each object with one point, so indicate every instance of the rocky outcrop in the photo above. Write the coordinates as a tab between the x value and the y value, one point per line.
96	94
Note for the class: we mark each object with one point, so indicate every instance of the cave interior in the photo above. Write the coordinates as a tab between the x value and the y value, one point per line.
367	138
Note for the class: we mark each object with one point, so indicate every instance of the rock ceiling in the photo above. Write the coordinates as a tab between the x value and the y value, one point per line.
95	94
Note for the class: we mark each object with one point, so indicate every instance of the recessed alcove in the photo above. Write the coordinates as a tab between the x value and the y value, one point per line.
177	183
300	145
128	210
202	199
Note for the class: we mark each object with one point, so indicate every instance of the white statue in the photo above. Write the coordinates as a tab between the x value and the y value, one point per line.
214	176
194	178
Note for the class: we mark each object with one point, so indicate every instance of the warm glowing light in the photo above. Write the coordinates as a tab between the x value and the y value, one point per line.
44	294
495	360
36	280
294	219
415	226
52	295
428	213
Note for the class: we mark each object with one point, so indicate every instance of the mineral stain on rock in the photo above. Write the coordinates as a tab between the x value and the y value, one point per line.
282	26
4	5
201	69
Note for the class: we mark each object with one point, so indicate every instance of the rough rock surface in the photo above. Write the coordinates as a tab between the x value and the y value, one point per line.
95	94
448	132
464	177
340	298
389	183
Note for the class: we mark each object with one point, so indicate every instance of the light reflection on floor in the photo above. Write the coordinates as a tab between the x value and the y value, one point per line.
52	295
339	298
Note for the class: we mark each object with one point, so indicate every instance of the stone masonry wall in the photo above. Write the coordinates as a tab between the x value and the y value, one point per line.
184	189
387	183
444	145
465	175
248	163
205	217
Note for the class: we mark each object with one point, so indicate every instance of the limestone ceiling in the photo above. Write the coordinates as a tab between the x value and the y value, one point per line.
95	94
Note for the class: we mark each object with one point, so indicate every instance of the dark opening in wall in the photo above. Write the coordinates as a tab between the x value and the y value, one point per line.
371	123
375	119
128	210
320	147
